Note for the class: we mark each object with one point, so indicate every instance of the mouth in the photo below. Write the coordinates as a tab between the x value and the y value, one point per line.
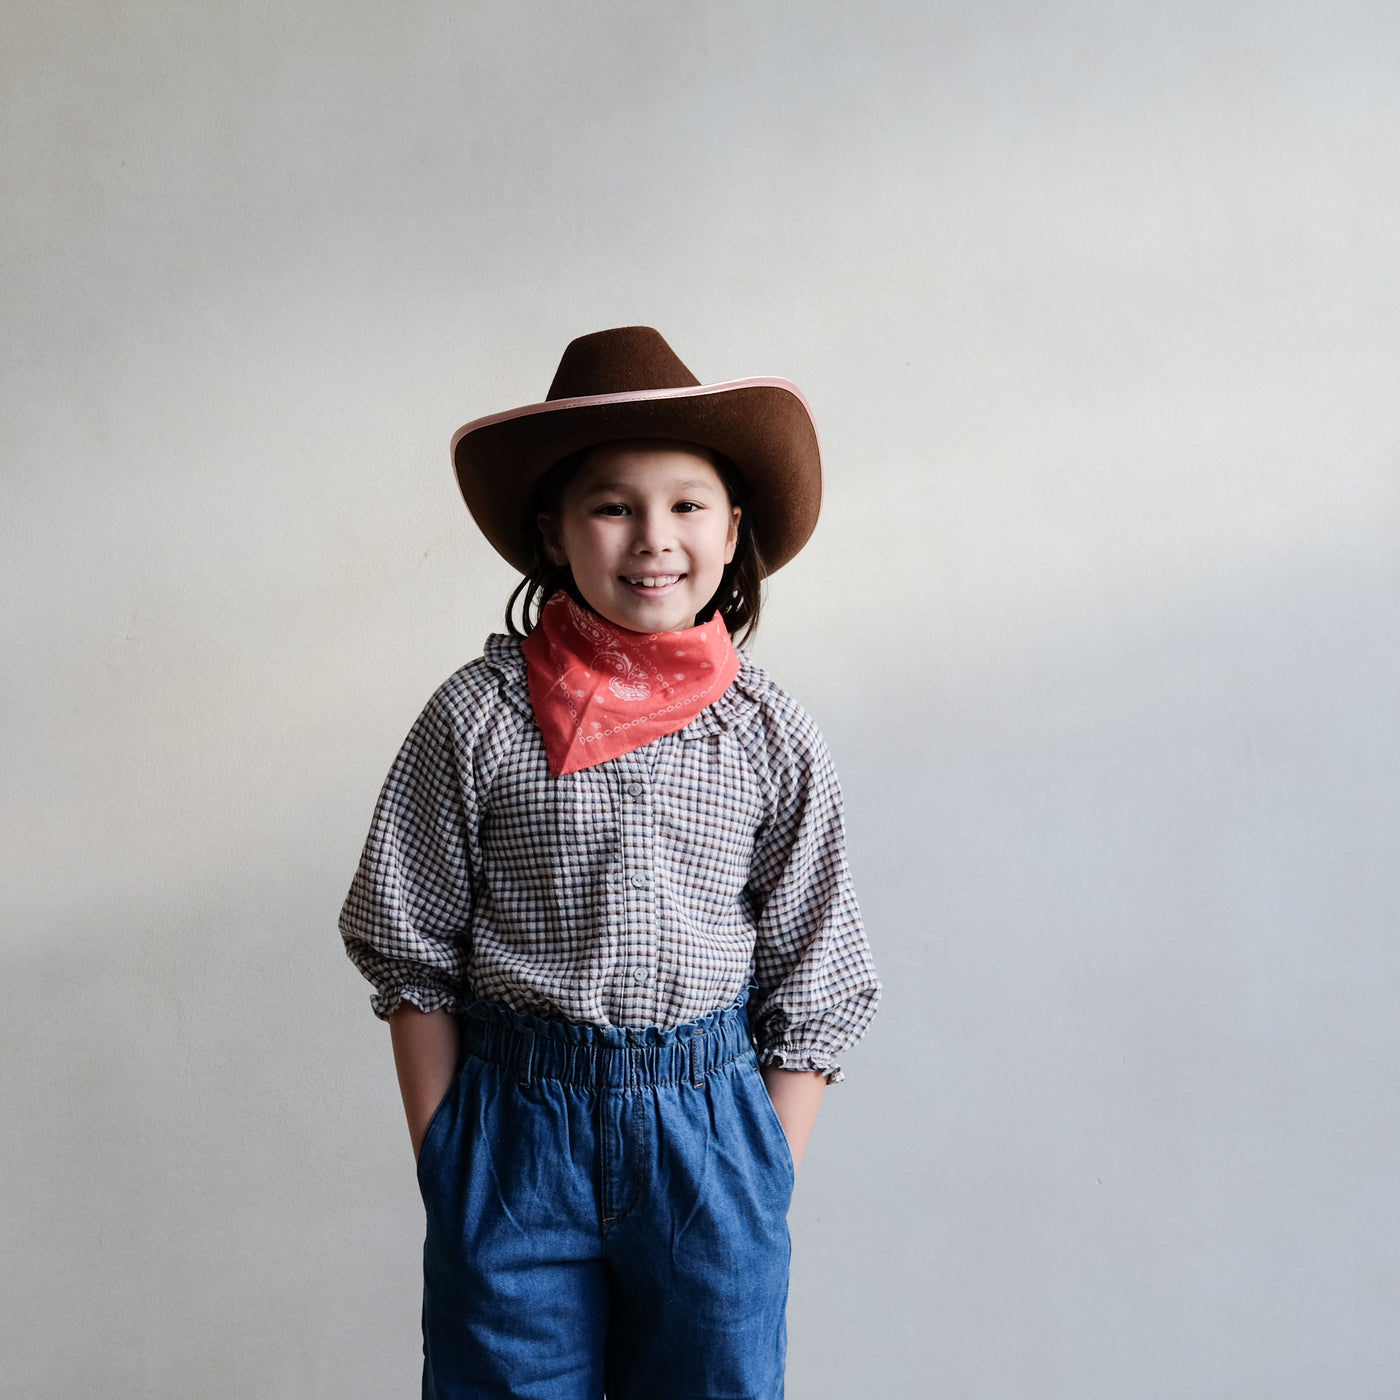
651	583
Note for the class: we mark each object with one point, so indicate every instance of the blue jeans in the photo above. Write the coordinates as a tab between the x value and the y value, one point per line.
607	1211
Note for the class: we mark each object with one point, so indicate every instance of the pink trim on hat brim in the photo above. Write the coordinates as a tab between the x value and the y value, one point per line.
633	396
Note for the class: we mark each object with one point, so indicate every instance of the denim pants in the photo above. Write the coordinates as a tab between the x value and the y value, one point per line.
607	1213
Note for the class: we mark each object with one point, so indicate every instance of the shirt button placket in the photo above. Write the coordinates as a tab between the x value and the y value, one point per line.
636	958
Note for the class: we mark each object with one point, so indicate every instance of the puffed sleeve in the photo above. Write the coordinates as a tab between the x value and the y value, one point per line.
817	988
406	919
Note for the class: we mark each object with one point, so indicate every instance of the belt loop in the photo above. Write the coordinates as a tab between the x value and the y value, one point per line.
527	1057
697	1060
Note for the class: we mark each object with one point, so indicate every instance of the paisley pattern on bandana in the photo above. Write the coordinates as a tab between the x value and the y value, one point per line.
598	691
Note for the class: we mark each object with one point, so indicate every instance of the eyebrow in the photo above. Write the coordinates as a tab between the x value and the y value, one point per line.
618	488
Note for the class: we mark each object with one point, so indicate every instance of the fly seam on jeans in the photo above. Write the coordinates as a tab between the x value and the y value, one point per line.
632	1167
697	1061
607	1188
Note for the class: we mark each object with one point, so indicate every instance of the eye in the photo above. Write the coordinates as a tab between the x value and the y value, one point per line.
613	508
686	507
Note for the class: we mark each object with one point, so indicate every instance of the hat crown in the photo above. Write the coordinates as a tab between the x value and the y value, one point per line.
620	361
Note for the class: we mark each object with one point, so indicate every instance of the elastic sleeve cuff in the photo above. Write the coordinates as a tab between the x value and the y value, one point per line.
426	996
794	1059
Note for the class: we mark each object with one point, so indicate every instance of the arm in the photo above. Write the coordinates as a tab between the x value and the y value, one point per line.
816	987
406	917
425	1055
796	1095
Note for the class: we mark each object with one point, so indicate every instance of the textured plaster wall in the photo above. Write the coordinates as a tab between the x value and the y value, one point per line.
1098	307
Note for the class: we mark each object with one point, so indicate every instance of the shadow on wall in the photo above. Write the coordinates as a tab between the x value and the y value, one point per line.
1131	885
203	1161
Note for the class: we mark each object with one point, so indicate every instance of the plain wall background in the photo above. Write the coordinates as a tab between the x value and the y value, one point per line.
1097	307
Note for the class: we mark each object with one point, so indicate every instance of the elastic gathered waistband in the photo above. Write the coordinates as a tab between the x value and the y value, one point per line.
606	1057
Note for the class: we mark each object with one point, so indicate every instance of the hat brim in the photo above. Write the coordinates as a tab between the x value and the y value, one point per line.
764	426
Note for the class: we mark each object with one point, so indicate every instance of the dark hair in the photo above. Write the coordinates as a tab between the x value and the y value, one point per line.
737	600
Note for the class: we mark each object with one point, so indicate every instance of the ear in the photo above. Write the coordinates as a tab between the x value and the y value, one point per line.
731	540
553	539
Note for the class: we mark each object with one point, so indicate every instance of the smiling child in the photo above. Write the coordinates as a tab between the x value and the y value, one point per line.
604	901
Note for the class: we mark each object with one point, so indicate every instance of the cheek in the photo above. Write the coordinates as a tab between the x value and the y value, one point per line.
595	551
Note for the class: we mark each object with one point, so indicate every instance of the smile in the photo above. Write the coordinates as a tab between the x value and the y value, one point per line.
653	580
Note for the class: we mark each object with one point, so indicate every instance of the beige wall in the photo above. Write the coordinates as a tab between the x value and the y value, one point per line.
1097	306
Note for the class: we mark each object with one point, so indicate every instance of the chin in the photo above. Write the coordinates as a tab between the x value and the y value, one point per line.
637	617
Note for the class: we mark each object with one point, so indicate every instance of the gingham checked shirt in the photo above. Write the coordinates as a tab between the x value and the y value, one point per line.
645	891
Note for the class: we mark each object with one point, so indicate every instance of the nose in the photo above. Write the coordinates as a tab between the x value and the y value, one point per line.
655	533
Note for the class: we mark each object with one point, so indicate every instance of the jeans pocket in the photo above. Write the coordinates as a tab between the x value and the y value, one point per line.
437	1129
783	1150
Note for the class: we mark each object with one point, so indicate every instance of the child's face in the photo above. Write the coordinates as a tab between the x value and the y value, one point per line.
647	529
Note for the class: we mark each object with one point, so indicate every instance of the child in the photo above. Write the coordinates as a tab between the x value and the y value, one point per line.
604	902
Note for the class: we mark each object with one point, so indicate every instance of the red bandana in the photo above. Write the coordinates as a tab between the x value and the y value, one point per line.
598	691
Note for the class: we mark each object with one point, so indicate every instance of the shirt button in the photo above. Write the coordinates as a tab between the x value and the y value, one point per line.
635	789
639	882
639	975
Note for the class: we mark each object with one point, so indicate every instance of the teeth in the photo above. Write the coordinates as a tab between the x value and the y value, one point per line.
660	581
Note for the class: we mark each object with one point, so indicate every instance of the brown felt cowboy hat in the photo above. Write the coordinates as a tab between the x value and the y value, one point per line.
628	383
